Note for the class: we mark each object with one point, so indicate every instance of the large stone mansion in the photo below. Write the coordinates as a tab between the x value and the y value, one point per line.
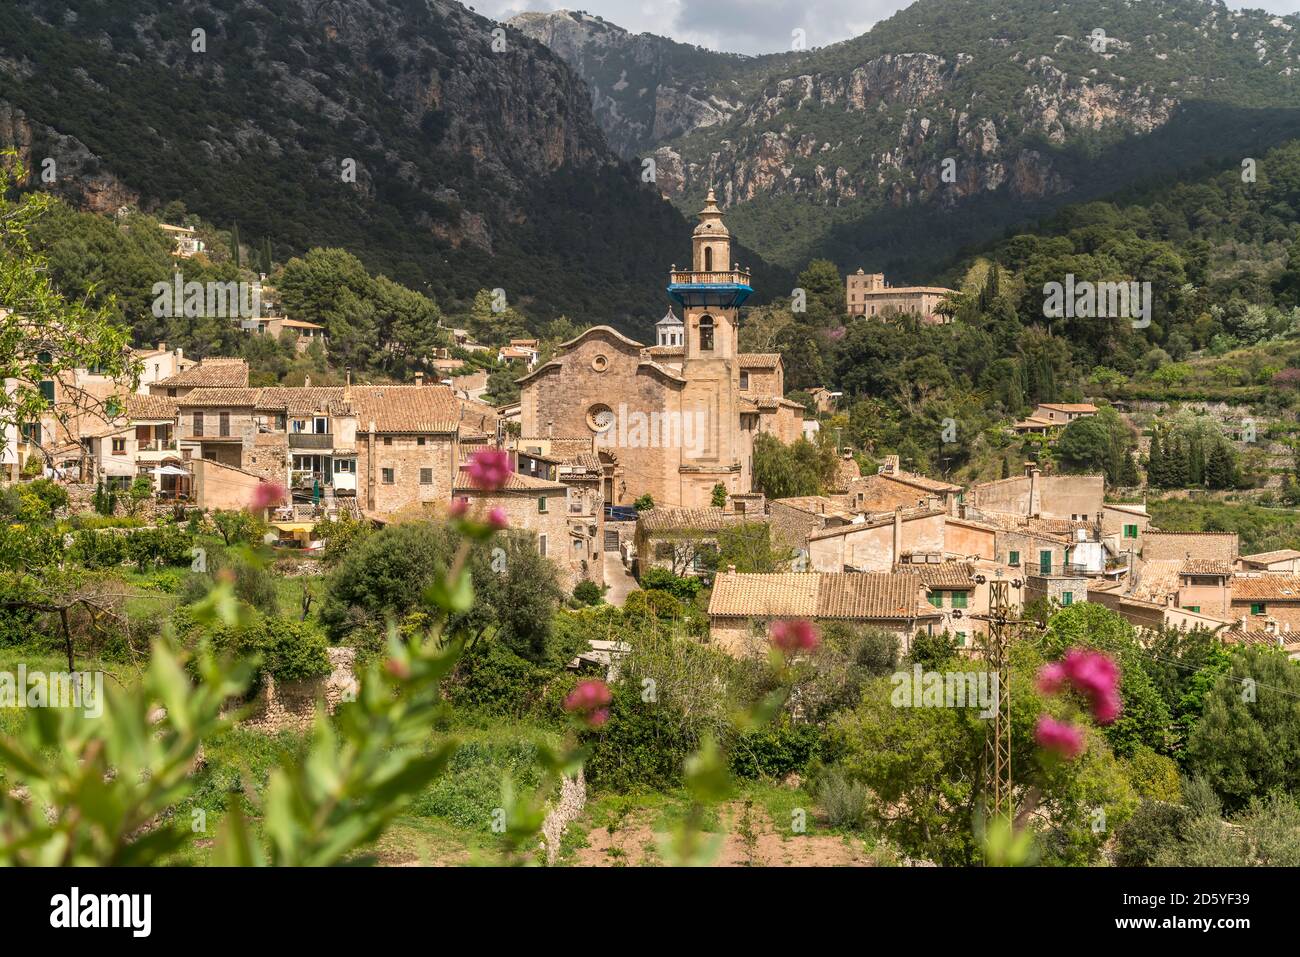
674	419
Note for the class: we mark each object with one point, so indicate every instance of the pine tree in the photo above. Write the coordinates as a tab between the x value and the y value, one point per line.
1156	462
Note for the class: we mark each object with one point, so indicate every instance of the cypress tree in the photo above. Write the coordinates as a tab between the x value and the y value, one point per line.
234	245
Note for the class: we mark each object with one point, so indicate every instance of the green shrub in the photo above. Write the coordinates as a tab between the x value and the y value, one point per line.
587	592
470	792
683	587
844	801
774	751
492	678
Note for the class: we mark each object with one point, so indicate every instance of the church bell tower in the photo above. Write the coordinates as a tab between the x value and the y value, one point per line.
712	290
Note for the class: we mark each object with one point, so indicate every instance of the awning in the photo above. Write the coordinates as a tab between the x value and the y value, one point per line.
168	470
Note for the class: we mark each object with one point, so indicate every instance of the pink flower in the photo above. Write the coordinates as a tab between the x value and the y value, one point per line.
1059	736
497	518
266	495
458	507
1051	678
489	469
794	635
1107	708
589	700
1092	673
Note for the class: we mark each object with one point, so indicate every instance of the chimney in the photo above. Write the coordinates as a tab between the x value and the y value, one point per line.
347	384
161	347
1035	502
419	378
1245	621
731	569
306	382
898	535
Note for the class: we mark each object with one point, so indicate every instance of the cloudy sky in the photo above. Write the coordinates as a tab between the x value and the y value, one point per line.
749	26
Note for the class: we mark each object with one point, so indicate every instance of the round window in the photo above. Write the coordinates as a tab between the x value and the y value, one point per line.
600	418
600	363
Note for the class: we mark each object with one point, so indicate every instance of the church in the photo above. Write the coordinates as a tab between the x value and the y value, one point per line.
674	419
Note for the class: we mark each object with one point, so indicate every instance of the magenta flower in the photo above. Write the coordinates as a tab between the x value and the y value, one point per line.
489	469
497	518
1052	678
1091	672
458	507
589	701
795	635
1059	736
1107	708
266	495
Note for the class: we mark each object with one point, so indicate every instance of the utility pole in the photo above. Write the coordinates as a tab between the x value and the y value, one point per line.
996	780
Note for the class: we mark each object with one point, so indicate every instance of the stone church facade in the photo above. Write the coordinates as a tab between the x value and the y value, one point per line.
674	419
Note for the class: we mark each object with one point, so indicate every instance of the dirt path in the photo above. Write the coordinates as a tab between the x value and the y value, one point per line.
634	843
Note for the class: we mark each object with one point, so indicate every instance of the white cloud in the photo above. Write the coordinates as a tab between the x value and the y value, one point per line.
753	26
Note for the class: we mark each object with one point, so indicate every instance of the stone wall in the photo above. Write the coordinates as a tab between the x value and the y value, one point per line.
573	798
291	705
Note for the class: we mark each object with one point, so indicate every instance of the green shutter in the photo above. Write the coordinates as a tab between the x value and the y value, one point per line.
936	599
1067	598
1014	559
959	599
1257	608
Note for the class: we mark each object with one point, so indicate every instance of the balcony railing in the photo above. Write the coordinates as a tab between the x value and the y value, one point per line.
311	440
739	277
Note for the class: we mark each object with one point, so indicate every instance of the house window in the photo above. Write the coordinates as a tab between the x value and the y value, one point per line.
224	424
388	440
344	466
1045	562
541	503
387	476
1195	608
322	425
1067	598
419	440
47	390
706	334
961	639
664	551
119	446
959	599
541	545
426	476
936	599
744	380
1257	608
198	423
1013	558
1130	531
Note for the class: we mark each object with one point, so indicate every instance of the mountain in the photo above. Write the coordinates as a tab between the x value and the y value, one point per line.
950	121
478	162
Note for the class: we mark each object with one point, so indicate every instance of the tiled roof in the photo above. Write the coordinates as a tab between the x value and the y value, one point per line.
1278	555
786	595
758	360
150	407
1156	580
922	481
211	373
819	595
517	482
665	352
944	574
708	519
1266	588
875	522
1069	406
1206	566
406	408
1221	546
303	400
209	397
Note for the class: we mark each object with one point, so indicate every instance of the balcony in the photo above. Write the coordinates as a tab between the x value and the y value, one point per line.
314	441
725	288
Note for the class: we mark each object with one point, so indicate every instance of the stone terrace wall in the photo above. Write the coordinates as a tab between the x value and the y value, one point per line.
291	705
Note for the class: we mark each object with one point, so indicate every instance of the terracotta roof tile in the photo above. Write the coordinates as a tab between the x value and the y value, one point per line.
1278	555
406	408
708	519
236	397
1221	546
150	407
1206	566
819	595
1266	588
944	574
211	373
758	360
515	483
